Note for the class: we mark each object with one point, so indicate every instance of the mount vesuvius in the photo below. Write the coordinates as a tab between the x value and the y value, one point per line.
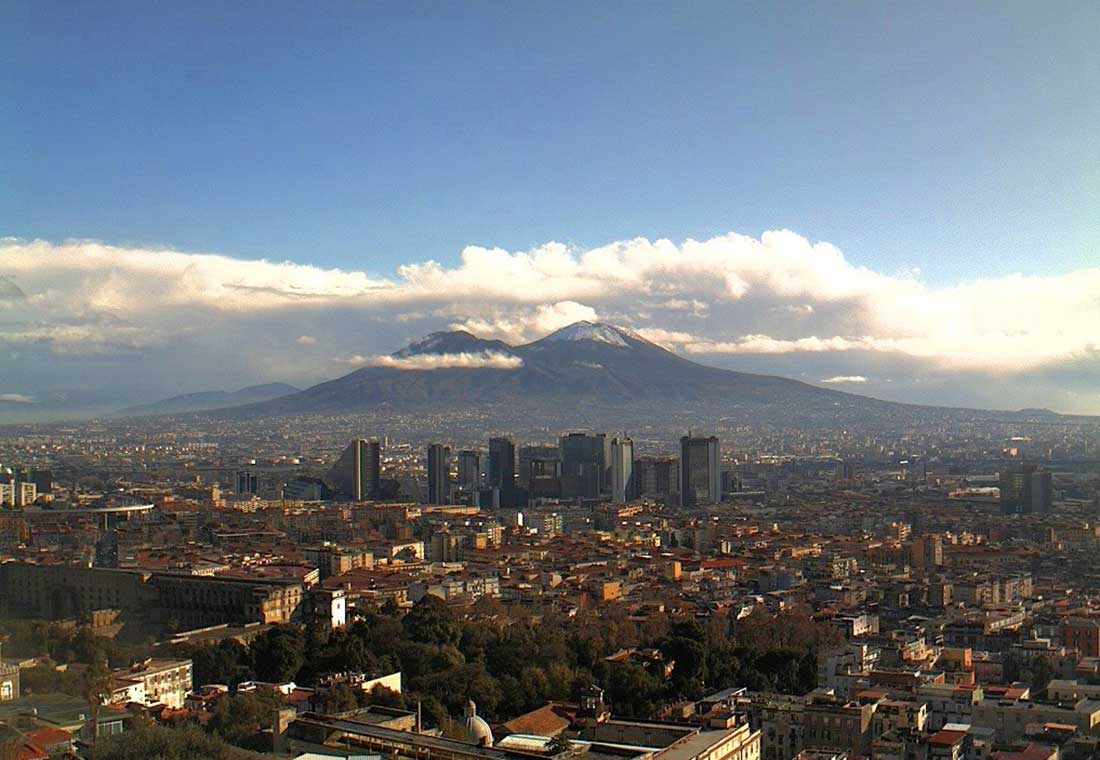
582	364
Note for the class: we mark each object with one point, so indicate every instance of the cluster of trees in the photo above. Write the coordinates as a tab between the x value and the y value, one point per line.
74	646
512	662
65	642
508	661
151	742
1037	671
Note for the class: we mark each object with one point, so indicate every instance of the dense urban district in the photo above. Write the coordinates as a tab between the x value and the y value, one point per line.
197	587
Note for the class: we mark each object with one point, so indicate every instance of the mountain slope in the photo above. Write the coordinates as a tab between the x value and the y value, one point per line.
207	400
454	342
583	363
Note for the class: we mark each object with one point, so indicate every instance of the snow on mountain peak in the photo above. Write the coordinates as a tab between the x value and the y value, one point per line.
594	331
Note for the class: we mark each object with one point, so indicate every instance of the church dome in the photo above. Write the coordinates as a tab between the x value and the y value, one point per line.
477	730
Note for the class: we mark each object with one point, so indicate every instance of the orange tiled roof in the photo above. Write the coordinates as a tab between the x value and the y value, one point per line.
48	735
548	720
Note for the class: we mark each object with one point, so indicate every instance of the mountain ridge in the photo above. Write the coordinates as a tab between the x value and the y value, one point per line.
592	373
586	362
202	401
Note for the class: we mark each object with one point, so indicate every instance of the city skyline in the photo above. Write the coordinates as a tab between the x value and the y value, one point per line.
552	380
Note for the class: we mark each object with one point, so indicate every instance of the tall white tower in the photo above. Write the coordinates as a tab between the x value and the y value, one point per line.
622	469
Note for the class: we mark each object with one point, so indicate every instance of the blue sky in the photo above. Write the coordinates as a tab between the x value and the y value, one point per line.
941	148
960	139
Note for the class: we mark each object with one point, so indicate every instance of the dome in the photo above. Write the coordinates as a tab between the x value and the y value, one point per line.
477	730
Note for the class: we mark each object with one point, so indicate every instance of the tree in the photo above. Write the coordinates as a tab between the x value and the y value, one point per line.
689	671
340	698
559	681
97	690
1042	671
632	691
559	744
161	743
279	653
430	621
240	718
227	662
384	697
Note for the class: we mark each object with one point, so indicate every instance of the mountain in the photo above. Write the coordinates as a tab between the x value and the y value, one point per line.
585	365
454	342
207	400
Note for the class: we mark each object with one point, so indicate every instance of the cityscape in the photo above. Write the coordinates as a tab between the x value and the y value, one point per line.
550	381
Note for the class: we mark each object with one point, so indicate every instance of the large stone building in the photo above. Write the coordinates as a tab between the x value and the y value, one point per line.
60	591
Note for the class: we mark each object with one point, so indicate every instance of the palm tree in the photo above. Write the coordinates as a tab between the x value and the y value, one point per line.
97	689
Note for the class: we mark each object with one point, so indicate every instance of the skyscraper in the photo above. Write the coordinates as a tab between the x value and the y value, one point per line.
584	465
469	469
545	478
357	474
622	470
439	475
657	476
528	454
502	470
700	476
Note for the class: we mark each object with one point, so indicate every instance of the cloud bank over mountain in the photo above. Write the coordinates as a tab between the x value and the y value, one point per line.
81	319
464	360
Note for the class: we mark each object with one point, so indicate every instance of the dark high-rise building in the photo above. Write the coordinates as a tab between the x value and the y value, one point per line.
502	470
43	480
657	476
528	454
1026	489
585	462
469	469
247	483
439	475
357	474
544	480
700	476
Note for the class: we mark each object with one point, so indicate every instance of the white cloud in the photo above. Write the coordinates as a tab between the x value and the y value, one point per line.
87	339
16	398
305	340
670	339
482	360
765	344
521	325
779	295
800	309
845	379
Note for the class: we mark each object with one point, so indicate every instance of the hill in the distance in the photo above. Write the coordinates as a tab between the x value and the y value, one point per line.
208	400
582	364
589	374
